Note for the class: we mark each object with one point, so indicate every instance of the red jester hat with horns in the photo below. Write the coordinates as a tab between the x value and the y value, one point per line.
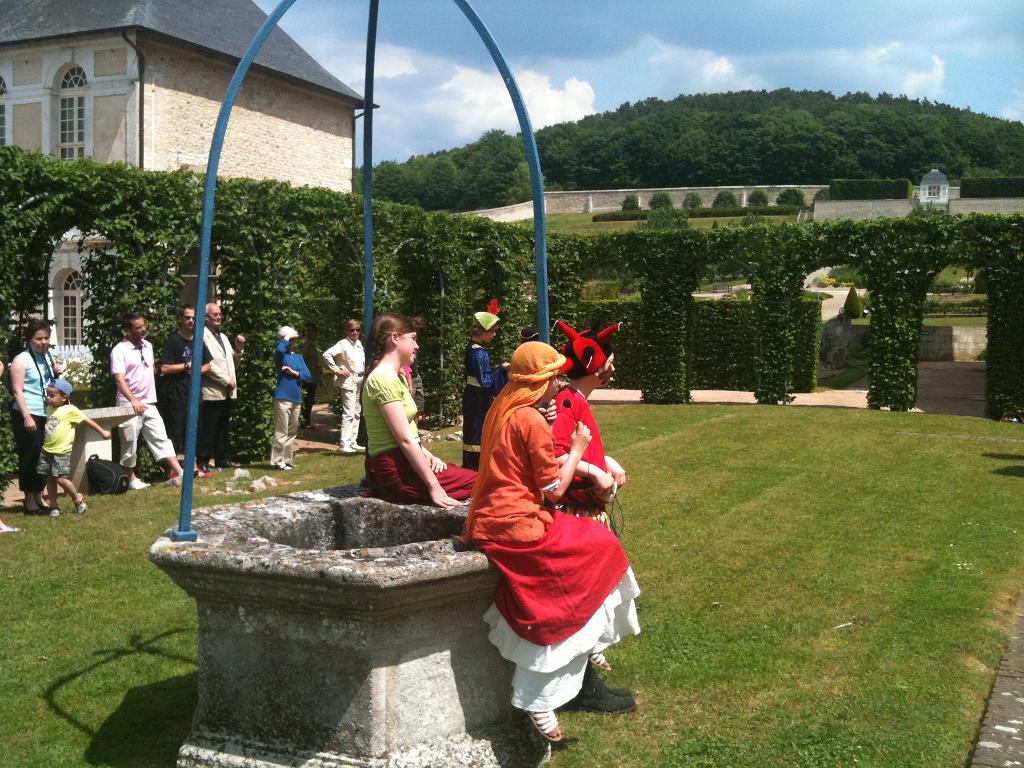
586	351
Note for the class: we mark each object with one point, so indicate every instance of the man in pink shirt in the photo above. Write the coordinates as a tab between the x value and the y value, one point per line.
131	362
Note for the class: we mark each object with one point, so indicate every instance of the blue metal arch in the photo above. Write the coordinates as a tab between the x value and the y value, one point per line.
184	531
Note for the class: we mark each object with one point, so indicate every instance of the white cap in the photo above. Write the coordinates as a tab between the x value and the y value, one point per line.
287	332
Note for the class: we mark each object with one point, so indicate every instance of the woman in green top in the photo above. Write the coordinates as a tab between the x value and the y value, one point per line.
398	467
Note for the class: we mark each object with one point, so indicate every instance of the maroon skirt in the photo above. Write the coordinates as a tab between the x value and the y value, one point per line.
392	478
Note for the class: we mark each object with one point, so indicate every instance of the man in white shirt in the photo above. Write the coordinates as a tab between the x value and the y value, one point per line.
131	362
220	388
348	362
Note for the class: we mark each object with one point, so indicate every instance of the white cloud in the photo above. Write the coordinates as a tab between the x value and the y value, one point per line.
894	67
477	101
1014	109
686	70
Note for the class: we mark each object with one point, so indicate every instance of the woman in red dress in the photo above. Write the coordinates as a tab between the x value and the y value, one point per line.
567	590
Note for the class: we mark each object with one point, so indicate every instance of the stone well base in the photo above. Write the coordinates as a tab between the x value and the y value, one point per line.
495	751
341	631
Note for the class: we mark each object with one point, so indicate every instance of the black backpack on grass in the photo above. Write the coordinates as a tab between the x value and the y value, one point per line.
106	476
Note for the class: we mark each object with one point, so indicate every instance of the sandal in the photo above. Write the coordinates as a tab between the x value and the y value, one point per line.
4	528
546	724
598	660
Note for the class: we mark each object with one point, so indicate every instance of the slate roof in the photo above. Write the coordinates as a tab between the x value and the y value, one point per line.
220	26
934	176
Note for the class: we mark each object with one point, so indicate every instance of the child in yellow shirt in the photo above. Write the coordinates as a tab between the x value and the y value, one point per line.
55	458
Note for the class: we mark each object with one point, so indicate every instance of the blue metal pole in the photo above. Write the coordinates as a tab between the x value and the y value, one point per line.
184	531
371	51
532	160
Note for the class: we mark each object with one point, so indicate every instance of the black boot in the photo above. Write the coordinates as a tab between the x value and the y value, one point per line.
595	696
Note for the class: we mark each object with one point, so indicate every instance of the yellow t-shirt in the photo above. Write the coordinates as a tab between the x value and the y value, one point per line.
60	428
382	387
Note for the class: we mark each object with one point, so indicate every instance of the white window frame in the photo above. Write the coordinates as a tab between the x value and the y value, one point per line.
71	113
70	291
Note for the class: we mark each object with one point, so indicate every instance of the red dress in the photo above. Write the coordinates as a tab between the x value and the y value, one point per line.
558	569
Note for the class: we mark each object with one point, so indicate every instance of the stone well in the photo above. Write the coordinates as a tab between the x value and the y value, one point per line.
341	631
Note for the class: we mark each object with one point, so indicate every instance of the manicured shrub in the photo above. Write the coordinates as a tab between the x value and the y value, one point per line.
660	200
693	200
631	203
992	187
665	218
980	282
757	199
871	189
636	215
725	199
853	306
770	210
791	197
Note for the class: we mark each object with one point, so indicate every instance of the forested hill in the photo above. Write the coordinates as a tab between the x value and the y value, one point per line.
747	137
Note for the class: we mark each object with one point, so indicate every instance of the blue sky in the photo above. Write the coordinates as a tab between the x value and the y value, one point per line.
437	87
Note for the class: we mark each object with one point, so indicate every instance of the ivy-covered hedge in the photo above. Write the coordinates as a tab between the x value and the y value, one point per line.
705	213
871	189
631	214
723	345
284	255
992	187
755	210
996	245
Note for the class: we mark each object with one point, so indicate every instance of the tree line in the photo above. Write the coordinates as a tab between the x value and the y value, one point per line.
747	137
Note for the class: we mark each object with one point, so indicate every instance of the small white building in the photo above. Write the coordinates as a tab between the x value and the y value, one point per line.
934	190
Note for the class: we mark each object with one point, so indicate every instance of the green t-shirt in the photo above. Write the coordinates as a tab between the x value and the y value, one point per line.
60	428
382	387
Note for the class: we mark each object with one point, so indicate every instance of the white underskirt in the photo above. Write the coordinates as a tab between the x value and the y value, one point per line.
548	676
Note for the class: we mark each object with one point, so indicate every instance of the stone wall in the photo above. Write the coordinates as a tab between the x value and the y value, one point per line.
938	343
277	130
862	209
958	342
601	200
987	205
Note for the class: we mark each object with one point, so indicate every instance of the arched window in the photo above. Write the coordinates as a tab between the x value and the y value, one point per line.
3	114
71	141
71	310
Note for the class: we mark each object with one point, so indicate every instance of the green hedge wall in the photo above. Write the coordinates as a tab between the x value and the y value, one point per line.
283	254
871	189
986	187
996	245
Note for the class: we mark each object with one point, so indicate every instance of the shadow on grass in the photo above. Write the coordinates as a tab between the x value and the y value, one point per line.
1004	456
1009	471
152	721
148	728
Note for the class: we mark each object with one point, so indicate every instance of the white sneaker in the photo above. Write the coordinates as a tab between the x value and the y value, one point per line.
137	484
287	466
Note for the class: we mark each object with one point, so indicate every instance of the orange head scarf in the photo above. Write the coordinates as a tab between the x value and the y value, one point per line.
534	364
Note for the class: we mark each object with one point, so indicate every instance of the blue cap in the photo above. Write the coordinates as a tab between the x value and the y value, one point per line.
62	385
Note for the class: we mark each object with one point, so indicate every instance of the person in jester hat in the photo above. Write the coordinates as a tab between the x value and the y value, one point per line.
483	383
589	365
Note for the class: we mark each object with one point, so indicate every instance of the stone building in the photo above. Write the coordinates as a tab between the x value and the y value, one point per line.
141	82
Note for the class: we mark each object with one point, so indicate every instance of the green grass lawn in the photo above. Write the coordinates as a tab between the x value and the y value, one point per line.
938	322
822	587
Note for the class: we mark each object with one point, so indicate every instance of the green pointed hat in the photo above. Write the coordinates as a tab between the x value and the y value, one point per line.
488	319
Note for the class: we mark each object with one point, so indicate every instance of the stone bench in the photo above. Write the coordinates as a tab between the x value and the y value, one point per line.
89	442
341	631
